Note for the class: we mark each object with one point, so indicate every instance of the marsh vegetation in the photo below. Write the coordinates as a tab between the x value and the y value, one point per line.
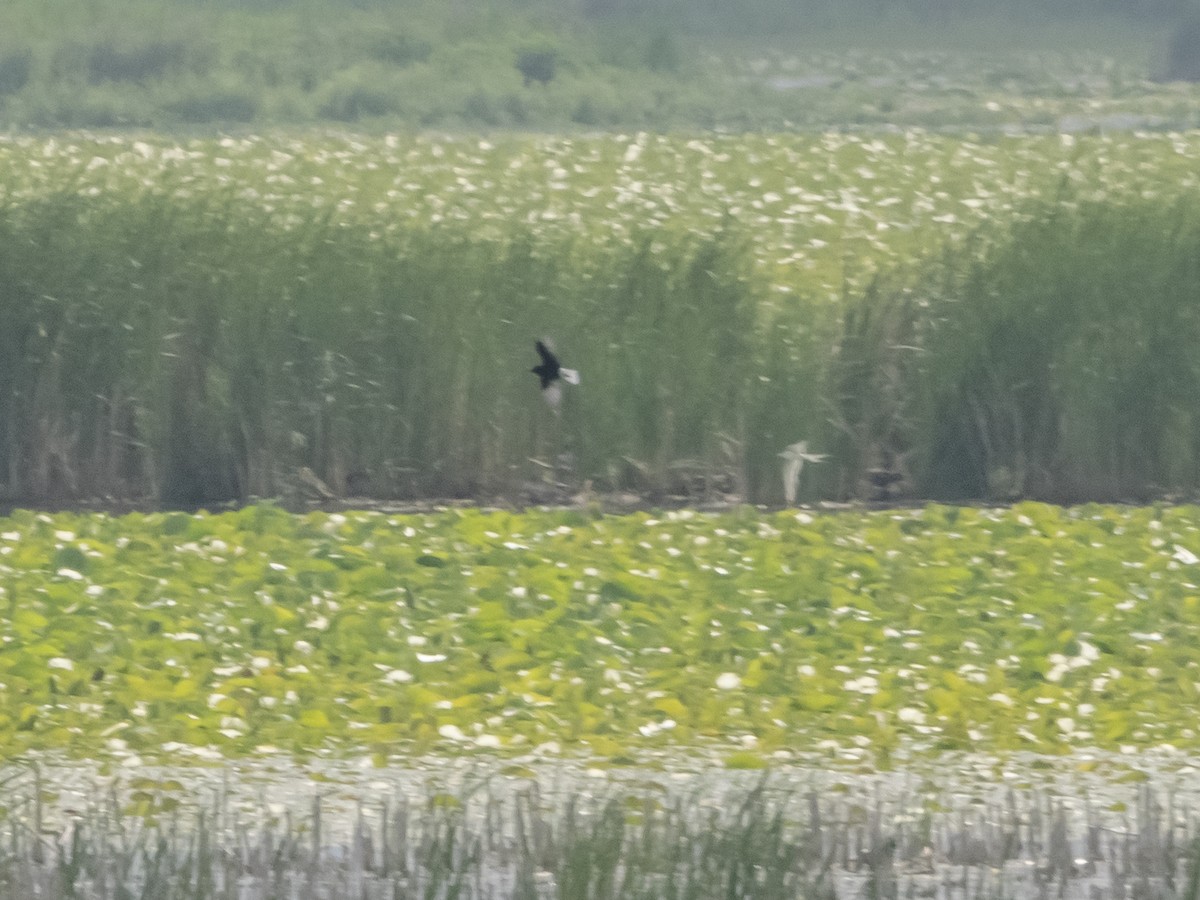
196	322
932	250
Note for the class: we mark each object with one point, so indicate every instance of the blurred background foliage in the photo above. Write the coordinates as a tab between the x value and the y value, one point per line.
516	63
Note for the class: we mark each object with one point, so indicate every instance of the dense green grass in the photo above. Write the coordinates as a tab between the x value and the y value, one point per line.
210	353
747	636
1061	361
199	322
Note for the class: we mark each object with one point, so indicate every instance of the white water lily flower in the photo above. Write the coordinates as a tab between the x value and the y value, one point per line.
431	657
1185	556
398	676
728	681
61	662
451	732
866	684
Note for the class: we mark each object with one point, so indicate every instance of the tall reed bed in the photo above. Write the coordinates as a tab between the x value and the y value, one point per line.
195	351
1057	356
202	322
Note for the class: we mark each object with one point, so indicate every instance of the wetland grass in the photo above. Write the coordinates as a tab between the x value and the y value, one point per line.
1060	359
195	325
757	840
208	363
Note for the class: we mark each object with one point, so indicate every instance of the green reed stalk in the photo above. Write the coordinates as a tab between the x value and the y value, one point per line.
196	350
1060	358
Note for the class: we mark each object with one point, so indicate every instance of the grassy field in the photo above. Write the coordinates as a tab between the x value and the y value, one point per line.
197	321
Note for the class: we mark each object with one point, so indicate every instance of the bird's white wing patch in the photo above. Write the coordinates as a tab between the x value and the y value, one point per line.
794	458
570	376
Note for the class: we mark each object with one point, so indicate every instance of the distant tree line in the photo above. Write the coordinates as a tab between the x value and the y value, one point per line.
759	8
774	8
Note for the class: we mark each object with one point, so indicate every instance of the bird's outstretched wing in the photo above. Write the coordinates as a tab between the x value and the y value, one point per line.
548	358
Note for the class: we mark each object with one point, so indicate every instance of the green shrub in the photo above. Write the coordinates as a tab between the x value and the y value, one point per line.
398	48
538	64
102	106
15	67
135	61
1183	51
213	105
359	93
662	52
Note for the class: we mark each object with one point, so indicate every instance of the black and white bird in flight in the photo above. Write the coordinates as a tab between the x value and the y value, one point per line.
551	372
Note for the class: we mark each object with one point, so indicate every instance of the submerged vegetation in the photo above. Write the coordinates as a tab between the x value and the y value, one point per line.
198	322
516	836
750	634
